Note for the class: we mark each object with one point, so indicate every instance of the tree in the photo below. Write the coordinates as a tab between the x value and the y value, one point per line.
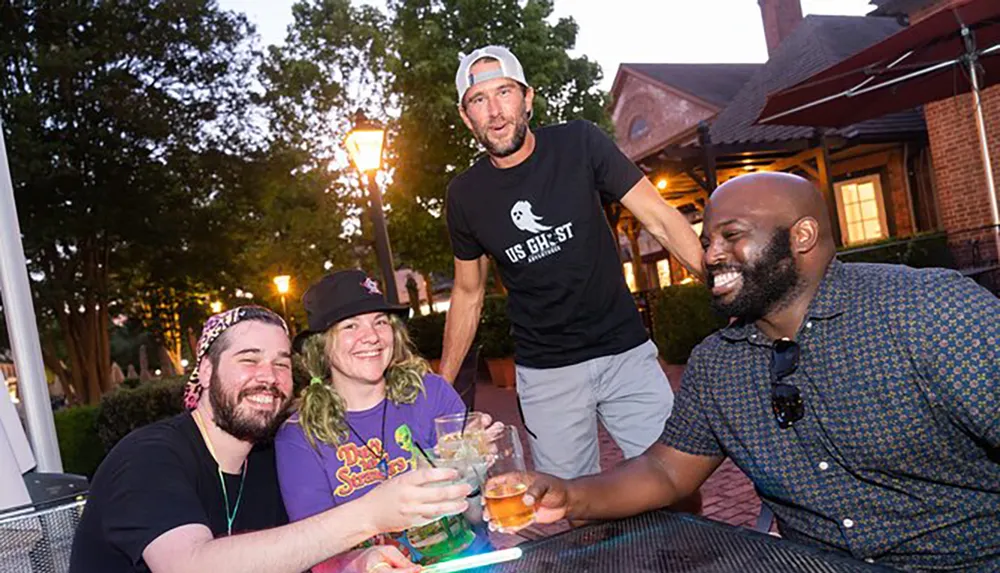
117	117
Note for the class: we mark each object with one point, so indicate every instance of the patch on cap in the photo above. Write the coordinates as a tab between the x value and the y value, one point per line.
371	286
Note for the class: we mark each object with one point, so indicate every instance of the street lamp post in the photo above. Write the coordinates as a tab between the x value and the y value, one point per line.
282	283
364	145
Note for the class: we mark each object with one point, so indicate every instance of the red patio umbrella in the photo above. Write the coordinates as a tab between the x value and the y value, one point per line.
951	52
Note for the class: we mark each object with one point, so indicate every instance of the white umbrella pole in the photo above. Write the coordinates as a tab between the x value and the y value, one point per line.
22	329
985	150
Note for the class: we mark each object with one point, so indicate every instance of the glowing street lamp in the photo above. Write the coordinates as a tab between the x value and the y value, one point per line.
216	307
364	145
283	283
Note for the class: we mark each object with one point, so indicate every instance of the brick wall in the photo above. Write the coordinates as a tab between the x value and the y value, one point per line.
957	161
779	17
666	113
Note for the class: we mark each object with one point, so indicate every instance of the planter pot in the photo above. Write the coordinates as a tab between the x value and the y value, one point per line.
502	372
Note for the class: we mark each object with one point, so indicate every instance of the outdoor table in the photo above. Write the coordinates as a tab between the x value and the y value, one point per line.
664	541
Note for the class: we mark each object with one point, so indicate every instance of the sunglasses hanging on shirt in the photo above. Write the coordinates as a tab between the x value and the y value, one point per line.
786	400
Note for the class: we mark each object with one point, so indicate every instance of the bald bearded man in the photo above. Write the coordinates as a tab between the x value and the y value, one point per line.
860	399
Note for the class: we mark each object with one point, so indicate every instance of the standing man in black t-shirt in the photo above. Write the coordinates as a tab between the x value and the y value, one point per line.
199	492
534	204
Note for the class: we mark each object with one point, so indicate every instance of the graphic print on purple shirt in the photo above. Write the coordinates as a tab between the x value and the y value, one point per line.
313	481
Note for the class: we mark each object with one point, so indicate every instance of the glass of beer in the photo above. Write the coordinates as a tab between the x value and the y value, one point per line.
506	482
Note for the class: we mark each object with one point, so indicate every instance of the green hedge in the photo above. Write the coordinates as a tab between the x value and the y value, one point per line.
427	334
921	251
126	409
79	447
87	433
682	317
494	333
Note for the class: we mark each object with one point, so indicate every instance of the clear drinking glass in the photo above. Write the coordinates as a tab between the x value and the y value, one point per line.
461	435
506	482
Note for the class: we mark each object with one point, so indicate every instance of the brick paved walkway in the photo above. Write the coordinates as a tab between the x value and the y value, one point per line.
727	496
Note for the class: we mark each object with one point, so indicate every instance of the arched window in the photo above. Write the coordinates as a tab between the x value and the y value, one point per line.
637	128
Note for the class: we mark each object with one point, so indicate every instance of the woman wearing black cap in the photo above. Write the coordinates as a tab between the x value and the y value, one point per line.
369	409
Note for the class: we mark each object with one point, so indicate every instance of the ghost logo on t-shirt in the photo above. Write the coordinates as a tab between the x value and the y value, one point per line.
545	239
525	219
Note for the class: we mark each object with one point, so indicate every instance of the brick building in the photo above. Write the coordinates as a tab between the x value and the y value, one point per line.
951	126
876	175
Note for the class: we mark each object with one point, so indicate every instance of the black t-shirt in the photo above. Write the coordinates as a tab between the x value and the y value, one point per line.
160	477
543	222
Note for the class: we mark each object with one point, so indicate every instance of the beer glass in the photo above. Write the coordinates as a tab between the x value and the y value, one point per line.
506	482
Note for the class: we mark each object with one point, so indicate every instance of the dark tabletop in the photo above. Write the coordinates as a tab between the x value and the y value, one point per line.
663	541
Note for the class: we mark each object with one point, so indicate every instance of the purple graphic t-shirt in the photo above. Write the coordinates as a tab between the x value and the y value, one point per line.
313	481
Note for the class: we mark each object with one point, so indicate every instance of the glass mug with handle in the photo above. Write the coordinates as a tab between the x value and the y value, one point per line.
507	481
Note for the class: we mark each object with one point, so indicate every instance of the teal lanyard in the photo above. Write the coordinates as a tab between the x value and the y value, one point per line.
231	517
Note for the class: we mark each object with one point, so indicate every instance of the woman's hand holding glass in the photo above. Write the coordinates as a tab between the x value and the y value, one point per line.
416	498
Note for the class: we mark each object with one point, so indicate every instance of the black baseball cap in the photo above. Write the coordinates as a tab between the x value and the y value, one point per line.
341	295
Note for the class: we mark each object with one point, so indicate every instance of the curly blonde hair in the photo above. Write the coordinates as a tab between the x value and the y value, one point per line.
322	410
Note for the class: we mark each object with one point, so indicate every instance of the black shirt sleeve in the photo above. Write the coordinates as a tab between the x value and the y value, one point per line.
614	173
463	241
152	493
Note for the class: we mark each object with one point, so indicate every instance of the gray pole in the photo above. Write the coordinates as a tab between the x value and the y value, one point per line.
984	148
382	249
22	329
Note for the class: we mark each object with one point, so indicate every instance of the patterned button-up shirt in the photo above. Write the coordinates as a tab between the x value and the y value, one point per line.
897	459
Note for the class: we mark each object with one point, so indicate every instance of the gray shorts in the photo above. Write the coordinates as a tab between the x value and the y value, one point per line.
627	392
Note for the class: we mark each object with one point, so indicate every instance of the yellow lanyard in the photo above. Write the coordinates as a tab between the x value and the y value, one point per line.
230	517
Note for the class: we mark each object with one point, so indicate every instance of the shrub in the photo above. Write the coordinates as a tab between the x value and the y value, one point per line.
126	409
925	250
494	332
79	447
427	333
682	317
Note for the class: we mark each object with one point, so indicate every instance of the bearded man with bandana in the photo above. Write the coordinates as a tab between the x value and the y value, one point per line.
199	491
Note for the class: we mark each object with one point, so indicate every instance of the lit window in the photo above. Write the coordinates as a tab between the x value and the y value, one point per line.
861	210
637	128
629	276
663	272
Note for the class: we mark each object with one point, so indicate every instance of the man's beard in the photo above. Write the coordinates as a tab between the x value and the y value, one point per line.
767	283
253	427
516	142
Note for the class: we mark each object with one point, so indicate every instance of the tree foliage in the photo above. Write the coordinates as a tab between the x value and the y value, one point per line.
162	161
117	117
